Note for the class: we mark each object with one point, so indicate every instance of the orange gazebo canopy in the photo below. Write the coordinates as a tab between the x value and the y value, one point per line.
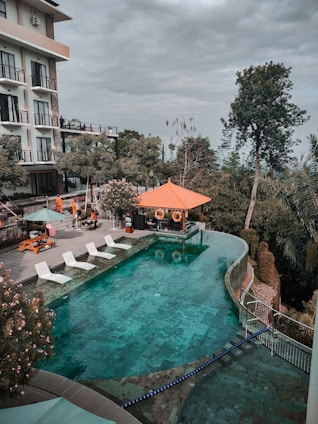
171	196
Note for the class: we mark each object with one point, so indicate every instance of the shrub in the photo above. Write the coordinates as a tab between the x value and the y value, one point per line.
25	327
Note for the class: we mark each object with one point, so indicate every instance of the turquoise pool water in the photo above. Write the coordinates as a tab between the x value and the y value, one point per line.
164	307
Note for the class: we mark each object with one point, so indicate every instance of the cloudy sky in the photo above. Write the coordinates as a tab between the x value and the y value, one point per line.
136	64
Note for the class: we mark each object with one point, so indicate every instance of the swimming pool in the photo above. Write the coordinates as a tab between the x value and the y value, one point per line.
163	307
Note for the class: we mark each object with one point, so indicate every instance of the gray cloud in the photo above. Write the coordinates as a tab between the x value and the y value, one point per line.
136	63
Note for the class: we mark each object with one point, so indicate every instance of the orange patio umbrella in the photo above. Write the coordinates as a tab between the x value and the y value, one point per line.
173	197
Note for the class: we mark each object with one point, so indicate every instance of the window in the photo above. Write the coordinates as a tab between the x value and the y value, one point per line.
7	65
43	145
41	113
39	75
3	10
9	109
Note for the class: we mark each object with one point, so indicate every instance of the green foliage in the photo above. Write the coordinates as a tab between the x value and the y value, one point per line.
194	157
266	270
12	174
263	116
87	156
247	234
25	327
254	246
126	141
231	163
145	154
227	210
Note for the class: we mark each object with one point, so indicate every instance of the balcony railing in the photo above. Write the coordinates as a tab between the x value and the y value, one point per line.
14	117
75	125
44	156
24	156
45	120
42	83
12	73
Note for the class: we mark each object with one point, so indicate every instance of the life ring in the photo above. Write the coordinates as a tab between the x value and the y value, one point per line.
160	254
176	216
176	256
159	214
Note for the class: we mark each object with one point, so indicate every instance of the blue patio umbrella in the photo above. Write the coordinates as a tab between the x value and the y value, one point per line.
45	215
58	410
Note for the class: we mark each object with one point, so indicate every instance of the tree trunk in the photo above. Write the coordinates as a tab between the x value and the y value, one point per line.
185	167
253	193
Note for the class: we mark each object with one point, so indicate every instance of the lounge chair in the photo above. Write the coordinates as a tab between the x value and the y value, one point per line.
70	260
92	250
111	243
44	273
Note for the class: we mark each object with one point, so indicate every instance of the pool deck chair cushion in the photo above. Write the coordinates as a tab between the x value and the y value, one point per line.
44	273
92	250
70	260
111	243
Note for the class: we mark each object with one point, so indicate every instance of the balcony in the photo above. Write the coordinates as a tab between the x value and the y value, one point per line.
43	84
14	118
23	156
18	35
75	126
10	75
45	121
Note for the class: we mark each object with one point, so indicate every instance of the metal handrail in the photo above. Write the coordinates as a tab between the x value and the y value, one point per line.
290	339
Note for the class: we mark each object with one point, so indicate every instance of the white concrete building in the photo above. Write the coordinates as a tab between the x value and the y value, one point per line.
29	106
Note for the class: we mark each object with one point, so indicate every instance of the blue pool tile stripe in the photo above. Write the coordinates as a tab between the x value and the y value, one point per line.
192	373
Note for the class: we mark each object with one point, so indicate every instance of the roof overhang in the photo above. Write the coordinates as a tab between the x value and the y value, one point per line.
173	197
50	8
39	168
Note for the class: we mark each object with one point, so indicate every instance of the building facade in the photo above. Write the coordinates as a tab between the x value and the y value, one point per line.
29	106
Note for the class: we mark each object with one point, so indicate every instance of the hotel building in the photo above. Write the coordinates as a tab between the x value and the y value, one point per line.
29	106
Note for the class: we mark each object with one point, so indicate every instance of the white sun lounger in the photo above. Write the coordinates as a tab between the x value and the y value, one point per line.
70	260
111	243
92	250
44	272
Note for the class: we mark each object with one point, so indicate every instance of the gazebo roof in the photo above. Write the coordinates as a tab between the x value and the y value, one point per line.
171	196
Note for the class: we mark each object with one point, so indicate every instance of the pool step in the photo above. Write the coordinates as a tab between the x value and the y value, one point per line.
239	351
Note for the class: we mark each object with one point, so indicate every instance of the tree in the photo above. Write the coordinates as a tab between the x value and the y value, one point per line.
12	174
262	115
118	197
193	154
313	139
146	151
25	327
89	157
301	198
126	139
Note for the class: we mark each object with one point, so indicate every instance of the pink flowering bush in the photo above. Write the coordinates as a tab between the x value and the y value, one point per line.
119	197
25	327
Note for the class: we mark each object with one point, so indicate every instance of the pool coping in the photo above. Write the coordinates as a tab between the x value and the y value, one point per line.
47	385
